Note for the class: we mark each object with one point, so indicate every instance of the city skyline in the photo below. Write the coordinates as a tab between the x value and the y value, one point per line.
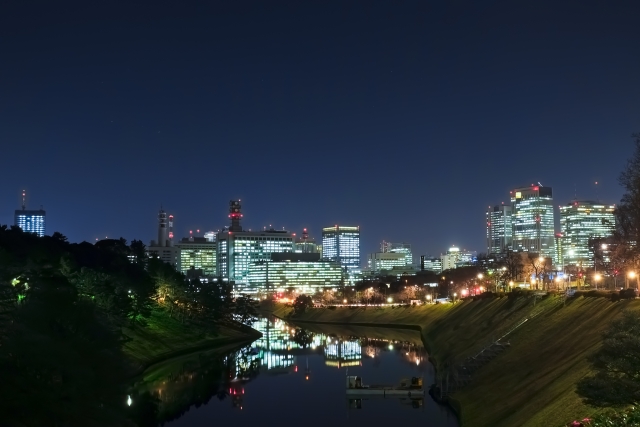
364	252
406	120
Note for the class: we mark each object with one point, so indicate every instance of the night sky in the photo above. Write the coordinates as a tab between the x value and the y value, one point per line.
406	118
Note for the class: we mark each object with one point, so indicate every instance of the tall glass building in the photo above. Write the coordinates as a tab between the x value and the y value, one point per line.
533	220
380	261
237	250
399	248
342	245
31	221
581	221
499	229
278	275
197	253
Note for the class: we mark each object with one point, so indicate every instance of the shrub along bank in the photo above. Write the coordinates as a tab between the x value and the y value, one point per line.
530	384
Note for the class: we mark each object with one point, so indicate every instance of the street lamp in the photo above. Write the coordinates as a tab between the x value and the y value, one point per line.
454	296
631	275
389	300
428	297
596	279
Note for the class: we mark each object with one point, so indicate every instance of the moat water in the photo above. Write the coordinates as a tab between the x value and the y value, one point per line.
294	374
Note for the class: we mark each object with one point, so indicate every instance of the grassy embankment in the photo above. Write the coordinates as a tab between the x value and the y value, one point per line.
530	384
165	337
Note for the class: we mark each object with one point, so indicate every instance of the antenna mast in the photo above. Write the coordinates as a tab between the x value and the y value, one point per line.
24	200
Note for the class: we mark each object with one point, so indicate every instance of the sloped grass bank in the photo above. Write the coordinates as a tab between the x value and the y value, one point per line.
165	337
530	384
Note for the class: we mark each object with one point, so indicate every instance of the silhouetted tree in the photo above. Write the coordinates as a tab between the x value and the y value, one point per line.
302	303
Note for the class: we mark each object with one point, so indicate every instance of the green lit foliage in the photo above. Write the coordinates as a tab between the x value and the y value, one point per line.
616	365
64	312
57	352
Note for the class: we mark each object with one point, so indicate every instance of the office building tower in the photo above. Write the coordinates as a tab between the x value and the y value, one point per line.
455	258
533	220
197	256
399	248
30	221
385	261
306	245
499	229
342	245
580	222
237	249
304	272
430	264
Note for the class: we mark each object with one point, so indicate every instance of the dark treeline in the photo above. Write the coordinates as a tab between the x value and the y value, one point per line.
63	308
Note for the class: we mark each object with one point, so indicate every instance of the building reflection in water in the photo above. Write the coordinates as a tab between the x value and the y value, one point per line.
281	344
276	352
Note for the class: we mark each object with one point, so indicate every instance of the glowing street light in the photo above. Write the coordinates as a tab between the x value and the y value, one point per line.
596	279
428	297
631	275
389	300
480	276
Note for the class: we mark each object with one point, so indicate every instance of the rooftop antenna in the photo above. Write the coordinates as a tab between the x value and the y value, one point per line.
597	197
24	200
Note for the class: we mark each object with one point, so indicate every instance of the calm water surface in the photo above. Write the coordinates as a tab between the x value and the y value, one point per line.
296	374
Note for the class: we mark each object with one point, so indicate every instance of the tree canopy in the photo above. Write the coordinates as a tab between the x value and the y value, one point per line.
63	310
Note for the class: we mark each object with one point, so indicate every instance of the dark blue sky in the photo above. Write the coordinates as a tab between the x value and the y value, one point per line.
406	118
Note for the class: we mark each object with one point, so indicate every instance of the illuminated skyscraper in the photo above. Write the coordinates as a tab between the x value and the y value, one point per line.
342	244
454	258
499	229
197	254
381	261
305	272
30	221
306	245
581	221
430	264
533	220
237	249
399	248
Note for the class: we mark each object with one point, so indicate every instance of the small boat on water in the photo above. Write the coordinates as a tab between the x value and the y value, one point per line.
407	387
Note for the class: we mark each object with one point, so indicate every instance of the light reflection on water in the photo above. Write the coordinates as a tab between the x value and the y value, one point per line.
299	373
